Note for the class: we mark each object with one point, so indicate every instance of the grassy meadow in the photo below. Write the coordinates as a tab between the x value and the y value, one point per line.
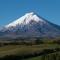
52	56
38	50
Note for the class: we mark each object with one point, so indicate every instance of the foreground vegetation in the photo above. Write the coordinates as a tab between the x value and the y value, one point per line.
30	50
51	56
23	51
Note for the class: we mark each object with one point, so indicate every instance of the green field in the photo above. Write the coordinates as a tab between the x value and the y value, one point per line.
52	56
31	50
19	50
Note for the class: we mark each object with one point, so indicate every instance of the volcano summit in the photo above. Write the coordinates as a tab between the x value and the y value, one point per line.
31	25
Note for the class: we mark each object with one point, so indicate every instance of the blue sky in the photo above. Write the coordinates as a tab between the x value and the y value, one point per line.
10	10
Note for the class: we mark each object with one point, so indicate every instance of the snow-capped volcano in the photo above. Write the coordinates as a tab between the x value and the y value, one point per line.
26	19
31	25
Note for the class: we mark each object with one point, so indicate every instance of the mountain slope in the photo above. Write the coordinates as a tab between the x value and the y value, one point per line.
26	19
31	25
